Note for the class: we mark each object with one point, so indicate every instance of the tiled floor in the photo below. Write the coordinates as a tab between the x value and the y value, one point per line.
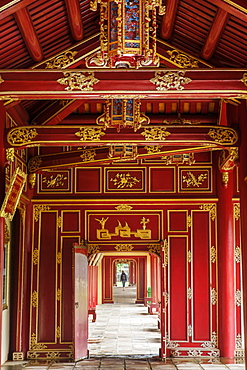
126	337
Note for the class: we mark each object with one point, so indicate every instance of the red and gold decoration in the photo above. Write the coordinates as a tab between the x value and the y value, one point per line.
127	33
13	194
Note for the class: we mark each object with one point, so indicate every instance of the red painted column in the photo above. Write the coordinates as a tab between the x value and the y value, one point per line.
226	294
243	205
2	193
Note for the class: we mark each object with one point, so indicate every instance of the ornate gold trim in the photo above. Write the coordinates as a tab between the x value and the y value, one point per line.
182	60
59	222
236	211
238	297
53	182
34	299
59	257
34	164
213	254
1	79
93	248
32	179
61	61
165	249
223	135
38	208
34	345
10	154
211	208
213	296
237	254
124	207
155	133
189	293
59	294
21	136
192	181
89	133
244	79
88	155
154	248
124	247
78	81
35	257
170	80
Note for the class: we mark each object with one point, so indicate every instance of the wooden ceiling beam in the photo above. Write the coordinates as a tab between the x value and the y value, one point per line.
215	33
168	19
234	7
25	25
56	112
10	7
75	19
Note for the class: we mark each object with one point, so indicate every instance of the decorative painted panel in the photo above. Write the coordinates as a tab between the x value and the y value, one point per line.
195	180
88	180
127	180
55	182
162	179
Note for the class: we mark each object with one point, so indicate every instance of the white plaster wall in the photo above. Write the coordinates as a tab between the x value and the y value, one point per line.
5	336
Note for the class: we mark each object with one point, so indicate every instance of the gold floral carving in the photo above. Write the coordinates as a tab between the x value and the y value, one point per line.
225	177
1	79
124	247
238	297
237	254
21	136
122	96
35	258
166	296
10	154
34	164
124	207
165	249
58	332
90	133
52	355
78	81
154	248
34	345
34	299
38	209
189	293
223	135
59	222
59	293
59	258
61	61
170	80
189	330
213	254
155	133
193	181
236	211
182	60
244	79
171	345
153	148
189	221
93	248
213	296
6	233
211	208
88	155
124	180
32	179
56	181
239	342
189	256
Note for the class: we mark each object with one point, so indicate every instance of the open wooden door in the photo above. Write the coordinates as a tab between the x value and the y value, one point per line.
80	284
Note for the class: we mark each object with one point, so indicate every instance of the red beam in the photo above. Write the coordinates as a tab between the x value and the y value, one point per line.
25	25
168	19
235	7
9	7
215	33
75	19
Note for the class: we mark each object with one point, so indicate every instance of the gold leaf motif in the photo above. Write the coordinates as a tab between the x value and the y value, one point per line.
124	180
121	96
21	136
153	148
189	221
190	331
38	209
34	164
59	294
90	133
194	181
236	211
53	182
182	60
211	208
189	256
213	296
154	248
244	79
88	155
34	299
213	254
35	258
32	179
59	222
78	81
61	61
239	342
237	254
165	249
124	207
59	258
155	133
34	345
58	332
1	79
189	293
10	154
52	355
124	247
238	297
93	248
170	80
223	136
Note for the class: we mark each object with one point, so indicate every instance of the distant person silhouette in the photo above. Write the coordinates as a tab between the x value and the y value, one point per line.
123	278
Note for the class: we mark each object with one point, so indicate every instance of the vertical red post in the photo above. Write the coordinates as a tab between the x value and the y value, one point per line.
243	205
226	294
2	192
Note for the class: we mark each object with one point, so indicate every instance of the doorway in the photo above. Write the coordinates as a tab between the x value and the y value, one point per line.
127	294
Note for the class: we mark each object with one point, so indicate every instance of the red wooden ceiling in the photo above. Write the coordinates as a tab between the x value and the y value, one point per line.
213	31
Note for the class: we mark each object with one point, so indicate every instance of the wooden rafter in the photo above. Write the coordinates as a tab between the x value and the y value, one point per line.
75	19
25	25
168	19
237	8
215	33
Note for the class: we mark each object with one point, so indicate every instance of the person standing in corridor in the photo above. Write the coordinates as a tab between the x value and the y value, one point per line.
123	278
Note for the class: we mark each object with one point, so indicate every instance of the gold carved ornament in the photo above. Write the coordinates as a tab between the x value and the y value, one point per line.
165	249
238	297
153	148
88	155
211	208
35	257
154	248
192	181
189	293
223	135
10	154
124	247
93	248
38	209
236	211
124	180
78	81
182	60
34	164
61	61
213	254
170	80
155	133
59	294
32	179
1	79
59	258
34	345
237	254
56	181
124	207
59	222
21	136
189	256
244	79
213	296
213	343
89	134
34	299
